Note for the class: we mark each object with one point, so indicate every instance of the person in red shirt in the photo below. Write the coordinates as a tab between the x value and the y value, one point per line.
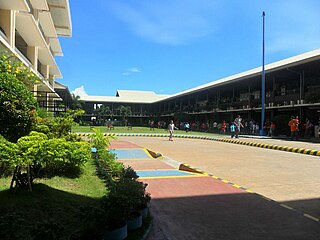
272	128
294	128
223	127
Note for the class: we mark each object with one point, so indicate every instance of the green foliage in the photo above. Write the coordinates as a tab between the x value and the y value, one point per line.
129	172
109	169
124	199
102	111
35	156
57	127
17	108
75	104
10	64
63	158
99	141
9	156
125	111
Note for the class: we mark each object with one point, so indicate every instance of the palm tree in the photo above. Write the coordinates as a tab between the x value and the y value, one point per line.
75	104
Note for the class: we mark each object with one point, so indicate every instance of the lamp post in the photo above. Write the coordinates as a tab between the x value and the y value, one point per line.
263	79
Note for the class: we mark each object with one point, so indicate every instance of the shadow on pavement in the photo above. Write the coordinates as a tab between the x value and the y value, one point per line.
309	206
240	216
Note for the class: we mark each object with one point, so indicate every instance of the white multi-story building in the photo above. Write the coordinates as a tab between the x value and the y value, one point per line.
30	30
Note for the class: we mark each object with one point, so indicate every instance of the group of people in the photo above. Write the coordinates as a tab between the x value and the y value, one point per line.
237	126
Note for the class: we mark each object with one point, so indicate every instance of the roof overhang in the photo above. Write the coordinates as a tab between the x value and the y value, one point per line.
29	31
47	24
47	88
272	67
39	4
46	58
20	5
55	46
60	11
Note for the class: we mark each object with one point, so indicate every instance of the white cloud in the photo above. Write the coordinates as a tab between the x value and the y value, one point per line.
79	92
166	21
130	71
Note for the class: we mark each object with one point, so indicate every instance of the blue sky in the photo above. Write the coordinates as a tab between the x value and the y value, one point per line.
168	46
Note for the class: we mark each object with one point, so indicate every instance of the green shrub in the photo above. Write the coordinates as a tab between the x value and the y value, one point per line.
99	141
63	158
36	156
9	157
17	108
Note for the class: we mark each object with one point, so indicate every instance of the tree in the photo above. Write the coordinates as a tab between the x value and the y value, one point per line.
75	104
125	111
17	107
102	111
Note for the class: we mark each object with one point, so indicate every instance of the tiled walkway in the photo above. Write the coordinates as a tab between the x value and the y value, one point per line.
188	205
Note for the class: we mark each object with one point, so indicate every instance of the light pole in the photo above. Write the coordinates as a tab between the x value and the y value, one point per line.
263	79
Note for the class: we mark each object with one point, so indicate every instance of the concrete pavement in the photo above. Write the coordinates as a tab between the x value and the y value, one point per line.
201	207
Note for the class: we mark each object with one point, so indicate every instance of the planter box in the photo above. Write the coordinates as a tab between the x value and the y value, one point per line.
135	223
144	212
116	234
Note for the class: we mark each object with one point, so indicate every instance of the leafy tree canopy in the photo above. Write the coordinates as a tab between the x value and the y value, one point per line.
17	107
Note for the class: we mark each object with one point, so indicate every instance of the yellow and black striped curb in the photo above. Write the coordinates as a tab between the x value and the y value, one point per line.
234	141
250	191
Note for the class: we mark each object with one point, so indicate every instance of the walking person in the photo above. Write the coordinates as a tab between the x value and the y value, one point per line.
171	128
232	130
238	124
187	127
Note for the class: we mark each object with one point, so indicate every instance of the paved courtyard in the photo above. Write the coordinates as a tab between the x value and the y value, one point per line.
195	206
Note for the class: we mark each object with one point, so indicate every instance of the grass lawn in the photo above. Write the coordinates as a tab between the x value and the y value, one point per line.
118	129
54	204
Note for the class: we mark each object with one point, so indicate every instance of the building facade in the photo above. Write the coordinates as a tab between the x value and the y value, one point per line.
292	88
30	29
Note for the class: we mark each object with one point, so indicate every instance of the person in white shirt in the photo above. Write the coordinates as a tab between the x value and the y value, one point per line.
171	128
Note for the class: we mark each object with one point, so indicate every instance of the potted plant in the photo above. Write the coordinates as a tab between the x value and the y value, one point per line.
145	200
115	205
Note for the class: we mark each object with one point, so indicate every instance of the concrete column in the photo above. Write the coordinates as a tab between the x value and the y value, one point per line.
51	80
45	71
32	54
8	24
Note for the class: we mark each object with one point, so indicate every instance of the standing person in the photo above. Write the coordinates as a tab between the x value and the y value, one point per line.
215	125
272	129
223	127
293	128
151	125
171	128
308	128
237	122
298	124
232	130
